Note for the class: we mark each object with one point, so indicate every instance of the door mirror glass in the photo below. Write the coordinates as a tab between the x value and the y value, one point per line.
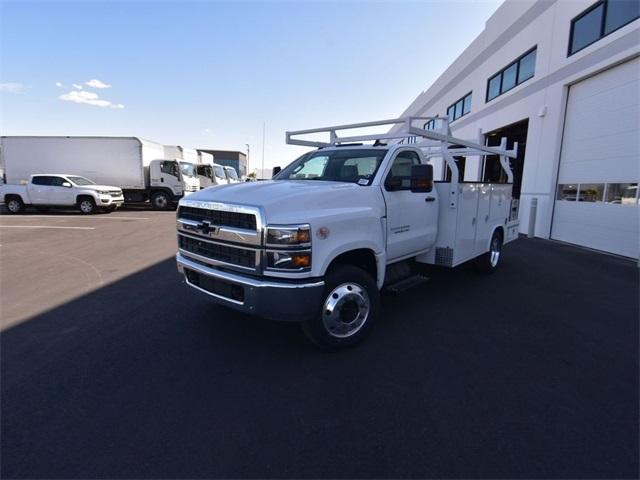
275	171
421	178
66	184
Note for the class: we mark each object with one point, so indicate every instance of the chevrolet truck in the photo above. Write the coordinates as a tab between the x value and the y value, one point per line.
318	242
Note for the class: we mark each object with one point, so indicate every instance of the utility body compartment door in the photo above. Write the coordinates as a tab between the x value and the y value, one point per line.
412	218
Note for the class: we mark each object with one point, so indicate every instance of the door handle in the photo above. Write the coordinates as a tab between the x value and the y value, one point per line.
430	199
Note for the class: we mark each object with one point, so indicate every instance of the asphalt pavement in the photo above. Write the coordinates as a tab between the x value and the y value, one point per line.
531	372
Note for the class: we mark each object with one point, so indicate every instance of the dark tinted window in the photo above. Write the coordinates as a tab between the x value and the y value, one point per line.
56	181
619	13
527	67
586	29
41	181
494	87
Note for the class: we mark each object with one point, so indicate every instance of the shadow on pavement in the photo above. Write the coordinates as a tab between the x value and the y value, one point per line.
531	372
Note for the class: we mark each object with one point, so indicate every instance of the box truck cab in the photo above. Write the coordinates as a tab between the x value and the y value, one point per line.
318	242
188	158
211	175
232	175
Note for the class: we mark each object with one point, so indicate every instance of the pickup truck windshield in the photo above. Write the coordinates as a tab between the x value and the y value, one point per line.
348	165
81	181
188	169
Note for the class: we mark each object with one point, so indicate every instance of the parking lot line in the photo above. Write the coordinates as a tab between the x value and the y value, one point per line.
46	226
89	217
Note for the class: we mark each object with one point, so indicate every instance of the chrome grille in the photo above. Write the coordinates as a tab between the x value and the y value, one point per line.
227	254
219	217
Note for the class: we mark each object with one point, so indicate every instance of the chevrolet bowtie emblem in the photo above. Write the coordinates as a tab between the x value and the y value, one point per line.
207	229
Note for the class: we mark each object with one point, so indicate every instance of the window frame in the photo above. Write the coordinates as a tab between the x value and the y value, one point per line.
507	67
454	104
603	22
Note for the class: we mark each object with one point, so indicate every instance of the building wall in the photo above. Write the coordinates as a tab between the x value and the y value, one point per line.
516	27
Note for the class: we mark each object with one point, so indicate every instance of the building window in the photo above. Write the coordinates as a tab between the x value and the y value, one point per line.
614	193
430	125
600	20
517	72
459	108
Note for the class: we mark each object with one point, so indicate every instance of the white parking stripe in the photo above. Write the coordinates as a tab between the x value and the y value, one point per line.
46	226
87	217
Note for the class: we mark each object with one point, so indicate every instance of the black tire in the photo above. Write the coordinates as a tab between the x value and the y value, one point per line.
14	205
87	205
490	261
160	201
42	209
350	307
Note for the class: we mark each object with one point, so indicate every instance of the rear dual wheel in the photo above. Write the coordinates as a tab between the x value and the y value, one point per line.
350	307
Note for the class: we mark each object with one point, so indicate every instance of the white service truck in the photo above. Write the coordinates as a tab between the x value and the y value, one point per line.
318	242
136	166
54	190
209	173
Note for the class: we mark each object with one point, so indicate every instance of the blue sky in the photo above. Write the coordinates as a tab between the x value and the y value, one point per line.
208	74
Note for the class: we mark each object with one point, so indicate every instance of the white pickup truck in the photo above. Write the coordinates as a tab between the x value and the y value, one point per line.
54	190
318	242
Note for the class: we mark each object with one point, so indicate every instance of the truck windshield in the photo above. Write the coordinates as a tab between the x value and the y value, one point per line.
188	169
219	172
231	173
348	165
81	181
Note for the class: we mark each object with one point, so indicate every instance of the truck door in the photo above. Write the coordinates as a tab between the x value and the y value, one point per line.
166	173
40	190
61	192
412	218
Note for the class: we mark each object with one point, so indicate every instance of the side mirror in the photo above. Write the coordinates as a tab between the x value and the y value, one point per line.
275	171
66	184
421	178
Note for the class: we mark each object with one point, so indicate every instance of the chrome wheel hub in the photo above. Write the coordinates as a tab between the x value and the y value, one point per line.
494	256
345	310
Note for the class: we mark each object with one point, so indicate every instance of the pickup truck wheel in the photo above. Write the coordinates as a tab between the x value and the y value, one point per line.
489	262
87	205
350	307
15	205
160	201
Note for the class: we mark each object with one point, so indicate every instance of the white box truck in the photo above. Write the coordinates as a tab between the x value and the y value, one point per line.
318	242
136	166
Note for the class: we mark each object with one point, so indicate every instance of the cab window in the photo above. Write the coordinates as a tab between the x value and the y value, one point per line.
41	180
399	177
170	168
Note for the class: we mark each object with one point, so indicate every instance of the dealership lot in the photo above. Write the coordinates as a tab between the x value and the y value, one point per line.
112	368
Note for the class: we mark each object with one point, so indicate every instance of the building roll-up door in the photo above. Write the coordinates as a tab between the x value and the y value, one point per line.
597	193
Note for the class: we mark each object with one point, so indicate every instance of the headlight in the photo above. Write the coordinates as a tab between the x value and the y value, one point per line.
289	235
103	192
289	260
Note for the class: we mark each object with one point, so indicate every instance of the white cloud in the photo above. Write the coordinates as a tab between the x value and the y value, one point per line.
12	87
88	98
95	83
75	85
59	84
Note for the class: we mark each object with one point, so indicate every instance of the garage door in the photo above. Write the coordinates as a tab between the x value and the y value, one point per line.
597	197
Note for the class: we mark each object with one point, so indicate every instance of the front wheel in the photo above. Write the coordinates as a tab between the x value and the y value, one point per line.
350	307
87	205
15	205
489	262
160	201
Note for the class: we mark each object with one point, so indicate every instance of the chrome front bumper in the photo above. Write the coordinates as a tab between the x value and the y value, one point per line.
275	300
